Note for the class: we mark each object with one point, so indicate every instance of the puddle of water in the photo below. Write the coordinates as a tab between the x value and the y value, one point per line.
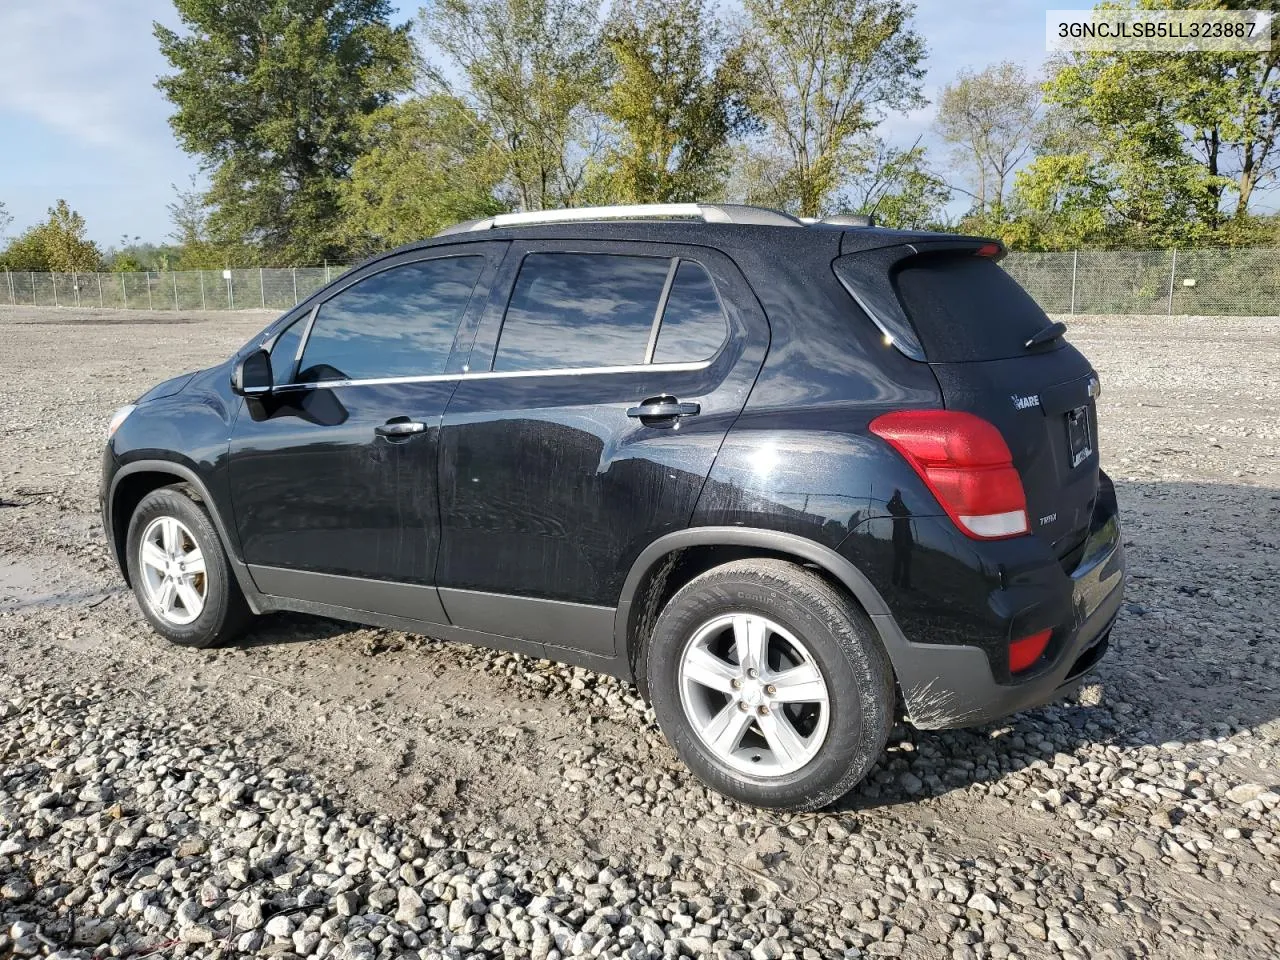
18	581
25	585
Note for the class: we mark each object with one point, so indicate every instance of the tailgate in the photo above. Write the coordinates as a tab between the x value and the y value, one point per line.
998	356
1044	405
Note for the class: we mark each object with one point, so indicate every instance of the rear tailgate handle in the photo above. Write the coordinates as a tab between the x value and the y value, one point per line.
664	409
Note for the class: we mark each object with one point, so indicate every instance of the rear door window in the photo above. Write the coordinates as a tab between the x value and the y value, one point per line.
966	308
397	323
572	310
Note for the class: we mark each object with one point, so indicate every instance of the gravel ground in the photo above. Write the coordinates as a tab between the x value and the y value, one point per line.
368	794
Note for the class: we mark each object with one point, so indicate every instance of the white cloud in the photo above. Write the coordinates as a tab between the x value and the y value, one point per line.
86	68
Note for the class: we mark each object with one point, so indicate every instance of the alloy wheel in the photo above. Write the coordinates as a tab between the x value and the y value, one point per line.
173	570
754	695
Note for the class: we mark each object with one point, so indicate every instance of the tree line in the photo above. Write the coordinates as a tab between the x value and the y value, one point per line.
327	132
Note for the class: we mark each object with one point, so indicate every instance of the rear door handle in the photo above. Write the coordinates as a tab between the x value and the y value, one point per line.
664	410
399	428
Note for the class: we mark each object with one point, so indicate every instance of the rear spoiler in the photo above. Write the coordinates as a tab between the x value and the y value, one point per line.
911	244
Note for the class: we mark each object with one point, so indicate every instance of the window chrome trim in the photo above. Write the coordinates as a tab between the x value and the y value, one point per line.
660	309
304	340
504	374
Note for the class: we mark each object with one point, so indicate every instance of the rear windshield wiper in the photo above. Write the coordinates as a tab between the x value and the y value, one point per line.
1050	333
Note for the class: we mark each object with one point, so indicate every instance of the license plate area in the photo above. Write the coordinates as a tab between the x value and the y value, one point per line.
1079	441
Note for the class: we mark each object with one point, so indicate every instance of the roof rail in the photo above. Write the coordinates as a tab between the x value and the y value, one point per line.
850	220
707	212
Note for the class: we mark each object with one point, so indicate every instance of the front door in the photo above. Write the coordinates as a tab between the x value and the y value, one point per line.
333	477
602	383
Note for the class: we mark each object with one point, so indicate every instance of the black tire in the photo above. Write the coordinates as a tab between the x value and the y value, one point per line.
841	642
225	613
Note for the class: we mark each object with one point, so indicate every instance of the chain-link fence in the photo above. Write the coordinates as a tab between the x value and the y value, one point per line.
270	289
1242	282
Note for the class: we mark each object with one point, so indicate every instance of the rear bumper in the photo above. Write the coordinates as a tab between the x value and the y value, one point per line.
947	685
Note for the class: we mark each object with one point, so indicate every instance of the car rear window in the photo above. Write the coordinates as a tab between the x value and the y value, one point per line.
966	308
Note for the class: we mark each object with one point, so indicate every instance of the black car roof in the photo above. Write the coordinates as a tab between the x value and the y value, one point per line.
726	236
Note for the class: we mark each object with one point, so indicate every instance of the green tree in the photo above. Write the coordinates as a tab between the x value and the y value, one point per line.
189	213
760	175
271	95
676	98
430	165
26	252
823	73
63	235
6	218
57	244
1155	148
991	118
898	190
124	261
531	71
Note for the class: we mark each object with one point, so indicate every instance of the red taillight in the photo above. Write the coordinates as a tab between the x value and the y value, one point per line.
966	463
988	250
1023	653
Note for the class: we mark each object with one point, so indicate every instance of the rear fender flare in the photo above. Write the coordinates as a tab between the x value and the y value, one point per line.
801	548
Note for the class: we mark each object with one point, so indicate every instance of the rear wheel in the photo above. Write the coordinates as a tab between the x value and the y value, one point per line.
770	684
180	572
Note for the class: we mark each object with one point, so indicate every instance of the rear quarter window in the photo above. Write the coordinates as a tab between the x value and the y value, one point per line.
693	325
966	308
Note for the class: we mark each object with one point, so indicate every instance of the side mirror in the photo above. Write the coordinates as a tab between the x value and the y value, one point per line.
252	375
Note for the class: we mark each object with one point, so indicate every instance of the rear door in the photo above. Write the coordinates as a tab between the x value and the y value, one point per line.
603	380
973	323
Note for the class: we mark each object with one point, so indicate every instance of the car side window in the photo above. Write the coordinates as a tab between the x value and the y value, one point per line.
693	323
580	310
397	323
284	351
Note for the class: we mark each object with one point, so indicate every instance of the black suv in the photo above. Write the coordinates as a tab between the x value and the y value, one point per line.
783	475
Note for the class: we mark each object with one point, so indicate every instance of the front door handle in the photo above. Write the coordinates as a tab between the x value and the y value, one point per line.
395	429
664	408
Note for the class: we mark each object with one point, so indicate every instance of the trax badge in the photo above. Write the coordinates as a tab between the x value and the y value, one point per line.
1026	403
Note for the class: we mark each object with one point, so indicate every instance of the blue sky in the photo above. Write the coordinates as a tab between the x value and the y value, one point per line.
80	117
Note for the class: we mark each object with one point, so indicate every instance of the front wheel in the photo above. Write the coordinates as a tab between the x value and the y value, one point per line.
180	572
770	684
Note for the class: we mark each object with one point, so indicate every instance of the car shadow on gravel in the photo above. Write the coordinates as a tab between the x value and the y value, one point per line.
273	629
1195	653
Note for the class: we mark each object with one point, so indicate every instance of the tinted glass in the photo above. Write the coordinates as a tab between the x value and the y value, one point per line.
967	308
693	325
285	350
580	310
398	323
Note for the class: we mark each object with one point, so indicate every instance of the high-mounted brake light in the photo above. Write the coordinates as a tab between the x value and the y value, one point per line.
988	250
1025	652
967	465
